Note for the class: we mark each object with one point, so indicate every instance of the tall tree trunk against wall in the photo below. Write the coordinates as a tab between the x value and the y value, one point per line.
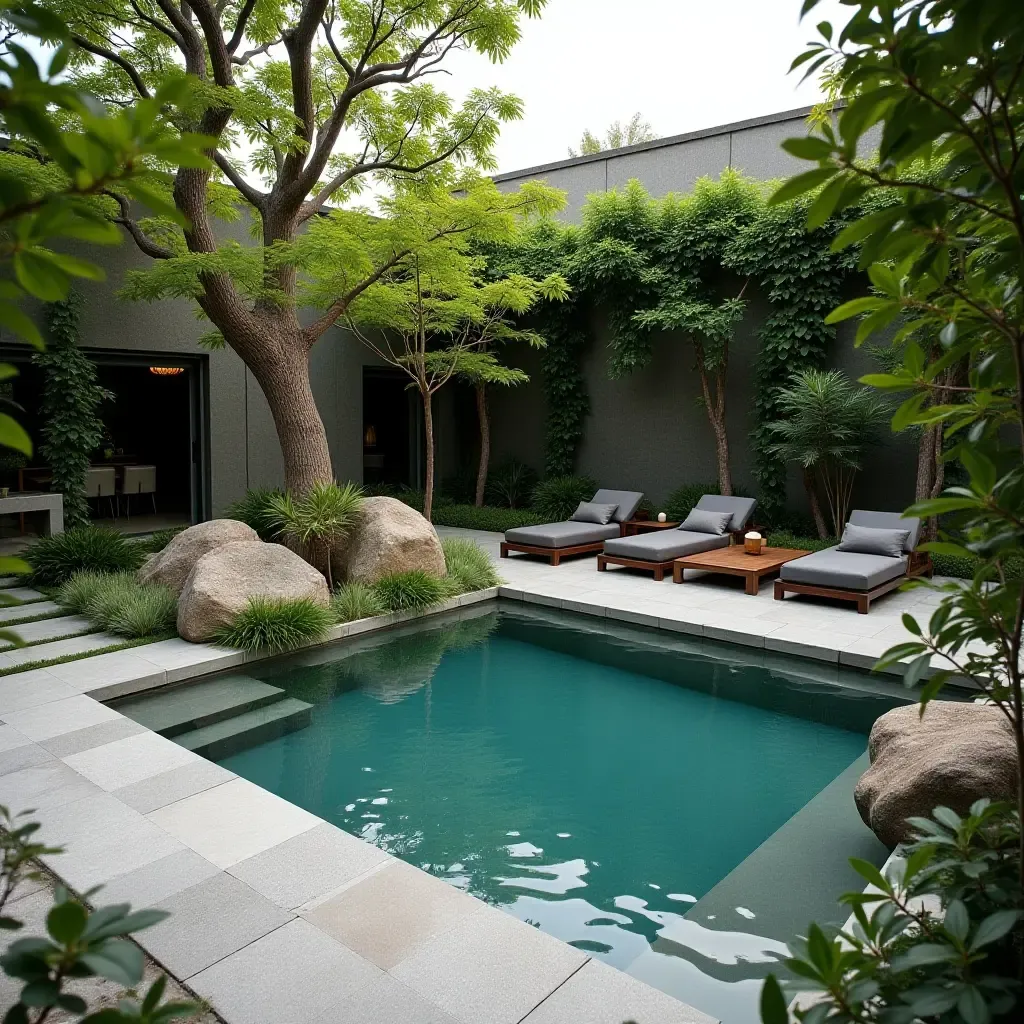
715	406
284	379
485	443
428	440
811	487
928	468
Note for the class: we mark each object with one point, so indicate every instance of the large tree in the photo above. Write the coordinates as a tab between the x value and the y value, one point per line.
309	102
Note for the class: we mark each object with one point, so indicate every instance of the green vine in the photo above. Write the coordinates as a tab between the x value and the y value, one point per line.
71	397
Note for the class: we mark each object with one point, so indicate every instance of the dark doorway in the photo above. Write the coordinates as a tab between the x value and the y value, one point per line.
386	435
152	440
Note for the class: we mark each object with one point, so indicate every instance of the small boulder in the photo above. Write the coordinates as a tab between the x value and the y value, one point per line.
953	755
390	537
224	580
171	567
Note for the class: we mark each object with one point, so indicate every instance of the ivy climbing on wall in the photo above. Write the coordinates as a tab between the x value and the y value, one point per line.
69	408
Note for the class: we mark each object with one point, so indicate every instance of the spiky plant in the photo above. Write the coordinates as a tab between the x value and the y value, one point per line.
828	422
147	609
556	498
316	519
78	592
469	566
406	591
254	509
355	600
86	548
268	624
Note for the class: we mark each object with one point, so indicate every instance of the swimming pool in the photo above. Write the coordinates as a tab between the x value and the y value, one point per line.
673	807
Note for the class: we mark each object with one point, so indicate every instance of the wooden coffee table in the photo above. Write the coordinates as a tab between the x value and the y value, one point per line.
734	561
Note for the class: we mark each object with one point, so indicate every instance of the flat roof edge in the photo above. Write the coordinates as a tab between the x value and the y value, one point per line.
643	147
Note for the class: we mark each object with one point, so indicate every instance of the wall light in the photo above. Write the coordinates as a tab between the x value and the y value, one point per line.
167	371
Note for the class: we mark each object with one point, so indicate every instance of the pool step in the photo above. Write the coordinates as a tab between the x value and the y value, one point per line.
233	735
185	708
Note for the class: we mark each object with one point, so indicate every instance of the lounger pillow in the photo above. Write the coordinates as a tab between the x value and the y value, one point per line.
699	521
593	512
867	540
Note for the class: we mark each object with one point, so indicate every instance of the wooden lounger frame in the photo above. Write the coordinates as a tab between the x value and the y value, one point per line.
555	555
920	564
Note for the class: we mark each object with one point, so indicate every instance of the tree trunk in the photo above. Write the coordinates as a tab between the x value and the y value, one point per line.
428	438
284	377
715	408
485	443
812	497
929	473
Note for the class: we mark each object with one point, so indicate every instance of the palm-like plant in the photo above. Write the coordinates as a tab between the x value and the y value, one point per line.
829	421
315	520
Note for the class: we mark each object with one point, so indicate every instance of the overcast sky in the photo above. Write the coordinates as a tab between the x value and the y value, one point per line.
683	64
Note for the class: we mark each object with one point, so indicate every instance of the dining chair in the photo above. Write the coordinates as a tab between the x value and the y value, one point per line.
138	480
101	482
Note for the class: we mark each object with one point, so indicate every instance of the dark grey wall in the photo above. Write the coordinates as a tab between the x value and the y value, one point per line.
648	431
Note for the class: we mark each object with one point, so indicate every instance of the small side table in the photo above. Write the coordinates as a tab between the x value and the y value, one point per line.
631	527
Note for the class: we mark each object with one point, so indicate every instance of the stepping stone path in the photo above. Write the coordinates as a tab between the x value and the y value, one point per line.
22	593
24	611
46	629
58	649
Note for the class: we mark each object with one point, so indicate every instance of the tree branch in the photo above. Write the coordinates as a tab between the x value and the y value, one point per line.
251	194
142	240
115	58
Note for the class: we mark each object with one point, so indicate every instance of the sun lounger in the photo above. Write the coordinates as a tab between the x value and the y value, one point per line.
865	571
556	540
655	552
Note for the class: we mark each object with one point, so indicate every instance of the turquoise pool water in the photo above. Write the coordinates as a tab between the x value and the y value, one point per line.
597	784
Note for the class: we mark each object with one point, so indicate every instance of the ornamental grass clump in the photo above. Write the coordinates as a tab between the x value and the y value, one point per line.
120	604
408	591
84	549
272	624
469	566
556	498
76	593
356	600
256	509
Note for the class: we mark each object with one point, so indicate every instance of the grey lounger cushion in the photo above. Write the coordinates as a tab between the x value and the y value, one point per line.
888	521
845	569
592	512
561	535
701	521
742	509
664	545
868	540
627	502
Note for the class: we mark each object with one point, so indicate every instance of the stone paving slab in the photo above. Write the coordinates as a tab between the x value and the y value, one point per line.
57	648
45	629
22	593
23	611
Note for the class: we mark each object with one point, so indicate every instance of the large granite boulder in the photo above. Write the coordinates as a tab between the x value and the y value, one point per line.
390	537
172	566
953	755
224	580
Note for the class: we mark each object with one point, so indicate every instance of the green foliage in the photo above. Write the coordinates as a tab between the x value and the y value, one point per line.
682	500
905	959
316	520
411	591
489	519
511	484
83	549
266	624
785	539
79	943
256	509
72	429
469	566
635	131
158	539
945	256
355	600
556	498
119	603
827	423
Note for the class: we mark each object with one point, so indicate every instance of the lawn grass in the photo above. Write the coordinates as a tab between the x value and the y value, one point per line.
64	659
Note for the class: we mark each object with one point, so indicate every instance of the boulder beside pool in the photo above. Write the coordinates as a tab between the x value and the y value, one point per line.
225	579
171	566
389	537
955	754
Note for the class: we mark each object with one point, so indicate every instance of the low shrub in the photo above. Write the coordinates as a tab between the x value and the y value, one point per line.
782	539
404	591
556	498
120	604
266	624
355	600
83	549
510	484
489	519
158	540
256	508
469	566
680	502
